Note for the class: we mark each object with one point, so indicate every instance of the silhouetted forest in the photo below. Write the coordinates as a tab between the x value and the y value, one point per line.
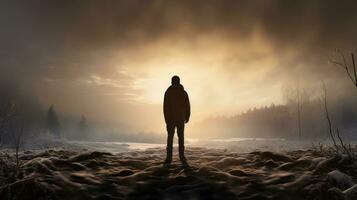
282	121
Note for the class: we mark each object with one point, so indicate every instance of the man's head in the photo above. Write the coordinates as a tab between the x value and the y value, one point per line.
175	80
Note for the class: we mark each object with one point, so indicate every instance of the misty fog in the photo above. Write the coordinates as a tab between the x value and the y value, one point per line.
241	63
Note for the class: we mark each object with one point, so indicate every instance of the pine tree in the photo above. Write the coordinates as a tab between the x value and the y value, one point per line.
83	128
83	124
52	123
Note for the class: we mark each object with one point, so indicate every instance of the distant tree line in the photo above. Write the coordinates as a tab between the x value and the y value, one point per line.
22	118
302	117
281	121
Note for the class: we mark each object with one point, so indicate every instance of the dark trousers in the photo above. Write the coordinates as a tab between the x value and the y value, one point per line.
170	137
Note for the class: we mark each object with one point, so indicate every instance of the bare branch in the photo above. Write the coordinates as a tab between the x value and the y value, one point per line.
354	68
346	149
345	67
328	117
341	141
18	142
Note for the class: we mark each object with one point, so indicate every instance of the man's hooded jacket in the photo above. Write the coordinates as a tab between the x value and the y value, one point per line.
176	105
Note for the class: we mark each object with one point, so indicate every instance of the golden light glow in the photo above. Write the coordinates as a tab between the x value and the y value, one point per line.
221	77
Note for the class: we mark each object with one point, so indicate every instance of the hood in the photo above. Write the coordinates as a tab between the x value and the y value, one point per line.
179	86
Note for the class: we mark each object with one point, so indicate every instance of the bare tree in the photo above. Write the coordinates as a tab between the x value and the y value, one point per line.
19	142
344	64
298	104
348	67
343	148
347	150
328	116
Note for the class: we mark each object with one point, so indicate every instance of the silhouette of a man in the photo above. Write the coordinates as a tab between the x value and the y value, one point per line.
177	113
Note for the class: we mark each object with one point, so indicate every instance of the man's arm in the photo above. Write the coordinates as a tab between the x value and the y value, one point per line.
188	108
166	107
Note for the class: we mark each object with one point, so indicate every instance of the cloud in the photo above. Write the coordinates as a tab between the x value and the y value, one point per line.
79	49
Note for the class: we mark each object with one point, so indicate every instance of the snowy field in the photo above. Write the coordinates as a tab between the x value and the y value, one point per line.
242	145
216	169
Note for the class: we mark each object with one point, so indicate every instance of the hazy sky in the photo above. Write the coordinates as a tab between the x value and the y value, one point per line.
112	60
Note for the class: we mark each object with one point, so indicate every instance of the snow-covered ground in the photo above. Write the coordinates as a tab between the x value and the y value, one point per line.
241	145
238	168
208	174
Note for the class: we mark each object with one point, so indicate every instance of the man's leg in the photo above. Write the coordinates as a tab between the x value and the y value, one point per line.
170	137
181	141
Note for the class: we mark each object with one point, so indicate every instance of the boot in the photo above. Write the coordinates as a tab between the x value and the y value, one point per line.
168	160
182	156
168	157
